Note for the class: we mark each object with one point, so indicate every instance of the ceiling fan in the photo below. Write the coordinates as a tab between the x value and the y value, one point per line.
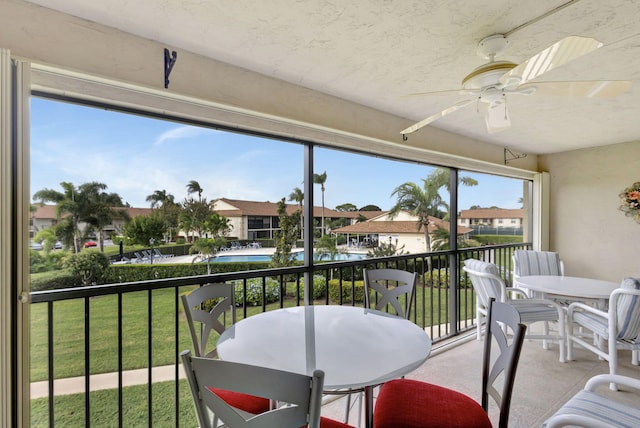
493	81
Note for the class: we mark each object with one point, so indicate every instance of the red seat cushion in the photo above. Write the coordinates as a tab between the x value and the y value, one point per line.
405	403
248	403
330	423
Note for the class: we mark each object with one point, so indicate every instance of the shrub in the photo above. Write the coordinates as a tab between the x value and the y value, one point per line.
254	291
439	278
53	280
319	287
88	266
338	293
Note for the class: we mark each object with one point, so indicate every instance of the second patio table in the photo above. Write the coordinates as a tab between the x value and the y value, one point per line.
569	286
356	348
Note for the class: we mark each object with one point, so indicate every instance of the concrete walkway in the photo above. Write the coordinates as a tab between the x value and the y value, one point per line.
75	385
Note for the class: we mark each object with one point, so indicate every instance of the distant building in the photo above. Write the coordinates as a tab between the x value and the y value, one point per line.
45	216
491	217
258	220
400	231
249	219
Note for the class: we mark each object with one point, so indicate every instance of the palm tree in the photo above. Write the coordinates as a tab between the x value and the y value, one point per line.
424	202
88	203
298	196
194	187
170	210
321	179
160	198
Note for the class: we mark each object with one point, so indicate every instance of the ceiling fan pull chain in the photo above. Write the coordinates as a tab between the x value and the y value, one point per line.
505	104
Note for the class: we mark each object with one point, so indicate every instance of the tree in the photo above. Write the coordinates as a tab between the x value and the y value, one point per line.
385	250
142	228
206	248
298	196
441	240
327	248
346	208
165	202
218	225
193	216
48	238
88	203
426	201
285	237
370	208
194	187
321	179
159	198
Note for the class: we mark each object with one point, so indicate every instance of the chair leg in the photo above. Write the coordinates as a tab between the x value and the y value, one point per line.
635	357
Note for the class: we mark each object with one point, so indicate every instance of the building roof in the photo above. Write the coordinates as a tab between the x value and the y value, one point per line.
390	226
49	211
492	213
253	208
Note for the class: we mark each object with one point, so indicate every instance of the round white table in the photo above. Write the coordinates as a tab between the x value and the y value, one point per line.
356	348
568	286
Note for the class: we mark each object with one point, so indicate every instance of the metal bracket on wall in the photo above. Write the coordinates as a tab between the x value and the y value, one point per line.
169	61
509	155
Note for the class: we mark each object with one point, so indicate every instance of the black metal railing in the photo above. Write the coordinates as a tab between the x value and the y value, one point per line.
444	305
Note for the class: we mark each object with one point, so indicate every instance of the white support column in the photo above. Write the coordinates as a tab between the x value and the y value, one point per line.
6	398
541	211
14	239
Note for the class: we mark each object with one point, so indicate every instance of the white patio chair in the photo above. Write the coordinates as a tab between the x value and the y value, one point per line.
488	285
412	403
220	312
592	410
297	397
619	325
530	262
393	287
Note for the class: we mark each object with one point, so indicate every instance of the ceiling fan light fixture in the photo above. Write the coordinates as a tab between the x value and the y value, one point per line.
487	74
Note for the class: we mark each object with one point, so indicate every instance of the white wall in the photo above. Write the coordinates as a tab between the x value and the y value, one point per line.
593	236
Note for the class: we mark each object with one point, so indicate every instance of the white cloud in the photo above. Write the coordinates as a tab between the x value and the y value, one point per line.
182	132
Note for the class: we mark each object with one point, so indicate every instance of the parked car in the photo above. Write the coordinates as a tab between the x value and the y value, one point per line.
35	246
90	244
58	245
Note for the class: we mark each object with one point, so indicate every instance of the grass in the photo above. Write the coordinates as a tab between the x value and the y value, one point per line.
69	410
69	335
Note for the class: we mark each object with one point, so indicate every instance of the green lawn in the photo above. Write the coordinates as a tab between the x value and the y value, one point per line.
69	410
68	331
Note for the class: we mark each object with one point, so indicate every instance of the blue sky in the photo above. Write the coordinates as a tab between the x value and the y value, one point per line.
135	155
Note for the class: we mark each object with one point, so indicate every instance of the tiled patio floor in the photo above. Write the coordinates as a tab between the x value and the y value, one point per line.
542	382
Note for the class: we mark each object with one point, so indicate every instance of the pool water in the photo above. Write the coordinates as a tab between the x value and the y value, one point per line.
267	258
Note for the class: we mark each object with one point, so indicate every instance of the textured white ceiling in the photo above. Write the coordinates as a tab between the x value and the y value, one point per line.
374	52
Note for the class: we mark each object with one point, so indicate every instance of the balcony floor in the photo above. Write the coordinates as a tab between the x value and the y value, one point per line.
542	383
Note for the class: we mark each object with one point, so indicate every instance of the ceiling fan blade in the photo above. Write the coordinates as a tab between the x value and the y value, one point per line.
497	118
560	53
448	110
444	92
585	88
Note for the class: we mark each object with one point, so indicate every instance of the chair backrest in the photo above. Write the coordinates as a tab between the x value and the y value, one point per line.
298	397
390	285
213	307
625	301
503	327
486	281
529	262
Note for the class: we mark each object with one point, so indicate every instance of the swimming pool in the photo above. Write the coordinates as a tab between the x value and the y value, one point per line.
227	258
